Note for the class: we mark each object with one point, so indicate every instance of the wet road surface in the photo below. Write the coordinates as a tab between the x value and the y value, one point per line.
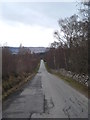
46	96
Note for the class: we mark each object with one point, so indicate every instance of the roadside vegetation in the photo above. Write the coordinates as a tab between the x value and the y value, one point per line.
75	84
17	69
70	51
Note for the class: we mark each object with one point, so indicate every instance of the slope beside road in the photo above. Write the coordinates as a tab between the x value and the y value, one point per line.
46	96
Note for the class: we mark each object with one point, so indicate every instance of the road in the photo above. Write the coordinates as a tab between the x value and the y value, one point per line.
46	96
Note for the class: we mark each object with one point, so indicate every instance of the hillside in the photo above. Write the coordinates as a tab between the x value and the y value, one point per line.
33	49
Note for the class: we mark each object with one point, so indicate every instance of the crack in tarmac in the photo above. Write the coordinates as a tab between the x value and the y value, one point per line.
49	104
43	97
66	111
30	99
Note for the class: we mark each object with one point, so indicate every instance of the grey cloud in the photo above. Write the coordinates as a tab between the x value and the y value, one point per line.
22	12
45	14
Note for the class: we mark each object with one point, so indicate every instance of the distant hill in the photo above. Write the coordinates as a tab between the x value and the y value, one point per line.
15	50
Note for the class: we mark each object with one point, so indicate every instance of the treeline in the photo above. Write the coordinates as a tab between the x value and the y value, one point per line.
71	50
15	67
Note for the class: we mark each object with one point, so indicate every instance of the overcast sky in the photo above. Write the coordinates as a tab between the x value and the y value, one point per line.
32	23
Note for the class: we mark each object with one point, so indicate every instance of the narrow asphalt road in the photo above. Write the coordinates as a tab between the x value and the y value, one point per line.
46	96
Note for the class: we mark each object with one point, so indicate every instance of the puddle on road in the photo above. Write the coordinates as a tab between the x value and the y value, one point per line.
29	92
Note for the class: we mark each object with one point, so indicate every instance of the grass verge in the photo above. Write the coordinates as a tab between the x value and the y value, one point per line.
16	86
75	84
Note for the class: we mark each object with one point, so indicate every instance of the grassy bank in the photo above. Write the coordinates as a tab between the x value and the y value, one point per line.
81	88
14	83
